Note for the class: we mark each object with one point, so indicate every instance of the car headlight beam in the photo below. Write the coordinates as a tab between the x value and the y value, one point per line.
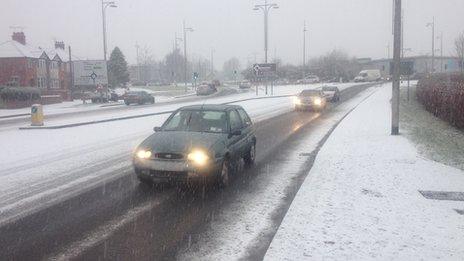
143	154
317	101
198	157
296	101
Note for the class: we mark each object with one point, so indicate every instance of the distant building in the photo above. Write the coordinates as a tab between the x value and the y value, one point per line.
421	64
27	66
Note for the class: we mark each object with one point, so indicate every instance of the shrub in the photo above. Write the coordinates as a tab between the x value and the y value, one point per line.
19	94
443	95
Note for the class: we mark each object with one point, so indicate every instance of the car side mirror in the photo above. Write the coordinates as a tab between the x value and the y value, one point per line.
156	129
235	133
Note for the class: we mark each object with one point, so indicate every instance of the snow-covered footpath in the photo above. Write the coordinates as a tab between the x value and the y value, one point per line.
361	199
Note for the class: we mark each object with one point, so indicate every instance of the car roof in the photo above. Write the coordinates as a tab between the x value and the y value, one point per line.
212	107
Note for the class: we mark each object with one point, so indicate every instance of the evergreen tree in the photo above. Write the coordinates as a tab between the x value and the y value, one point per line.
117	68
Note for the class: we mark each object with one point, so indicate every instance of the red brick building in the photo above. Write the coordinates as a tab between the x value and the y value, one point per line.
24	65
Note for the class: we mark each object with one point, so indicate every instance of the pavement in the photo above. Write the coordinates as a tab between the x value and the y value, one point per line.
370	195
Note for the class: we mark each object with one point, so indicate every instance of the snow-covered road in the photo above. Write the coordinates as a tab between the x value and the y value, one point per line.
41	167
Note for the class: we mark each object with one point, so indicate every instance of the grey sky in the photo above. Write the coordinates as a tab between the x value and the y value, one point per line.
231	27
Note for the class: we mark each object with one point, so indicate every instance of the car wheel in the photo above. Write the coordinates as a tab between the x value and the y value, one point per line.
250	156
127	103
224	176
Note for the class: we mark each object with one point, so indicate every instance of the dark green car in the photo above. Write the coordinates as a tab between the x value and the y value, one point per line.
200	142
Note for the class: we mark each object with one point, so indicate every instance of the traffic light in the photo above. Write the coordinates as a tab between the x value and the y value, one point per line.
195	75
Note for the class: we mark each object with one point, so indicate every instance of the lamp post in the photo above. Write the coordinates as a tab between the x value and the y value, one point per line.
185	29
304	49
105	4
265	8
432	25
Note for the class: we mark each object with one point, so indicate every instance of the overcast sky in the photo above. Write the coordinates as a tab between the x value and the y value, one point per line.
360	27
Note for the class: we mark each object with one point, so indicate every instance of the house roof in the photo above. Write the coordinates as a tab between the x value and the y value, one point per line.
63	55
13	49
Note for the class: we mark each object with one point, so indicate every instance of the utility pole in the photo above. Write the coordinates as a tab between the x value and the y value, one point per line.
395	102
137	61
388	51
304	49
212	62
432	25
441	50
71	76
185	29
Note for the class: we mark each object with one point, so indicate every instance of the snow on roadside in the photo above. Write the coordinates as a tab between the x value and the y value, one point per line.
360	200
78	106
248	218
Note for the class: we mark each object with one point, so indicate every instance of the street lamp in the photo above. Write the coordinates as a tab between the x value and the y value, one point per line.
432	25
304	49
265	8
105	4
185	29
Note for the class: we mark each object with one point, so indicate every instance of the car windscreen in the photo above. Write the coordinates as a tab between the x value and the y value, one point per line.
197	121
330	89
309	93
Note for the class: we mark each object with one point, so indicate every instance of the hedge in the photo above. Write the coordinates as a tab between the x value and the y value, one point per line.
443	95
19	94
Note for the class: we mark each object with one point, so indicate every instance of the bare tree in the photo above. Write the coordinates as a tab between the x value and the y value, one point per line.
459	45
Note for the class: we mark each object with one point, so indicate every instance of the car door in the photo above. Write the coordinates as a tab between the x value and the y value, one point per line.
235	141
247	131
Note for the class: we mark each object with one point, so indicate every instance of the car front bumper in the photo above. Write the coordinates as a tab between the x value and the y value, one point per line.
173	170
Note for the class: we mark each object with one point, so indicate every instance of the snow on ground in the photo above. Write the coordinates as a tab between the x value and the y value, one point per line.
360	200
39	165
242	225
78	106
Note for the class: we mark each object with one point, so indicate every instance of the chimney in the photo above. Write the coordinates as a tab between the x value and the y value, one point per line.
59	45
19	37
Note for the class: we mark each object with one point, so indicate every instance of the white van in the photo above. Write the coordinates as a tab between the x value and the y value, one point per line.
368	76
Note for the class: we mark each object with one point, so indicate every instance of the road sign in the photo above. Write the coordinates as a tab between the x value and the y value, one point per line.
90	72
261	69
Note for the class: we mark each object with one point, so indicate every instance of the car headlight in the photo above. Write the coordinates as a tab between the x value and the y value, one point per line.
297	101
143	154
198	157
317	101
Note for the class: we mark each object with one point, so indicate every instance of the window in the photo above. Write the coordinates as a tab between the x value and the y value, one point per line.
197	121
244	116
235	122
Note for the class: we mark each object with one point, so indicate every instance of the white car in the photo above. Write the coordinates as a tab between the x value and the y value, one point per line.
309	79
368	76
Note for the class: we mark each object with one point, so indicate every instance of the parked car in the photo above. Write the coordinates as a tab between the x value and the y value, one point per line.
331	93
199	142
99	97
206	89
368	76
310	100
244	85
139	97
